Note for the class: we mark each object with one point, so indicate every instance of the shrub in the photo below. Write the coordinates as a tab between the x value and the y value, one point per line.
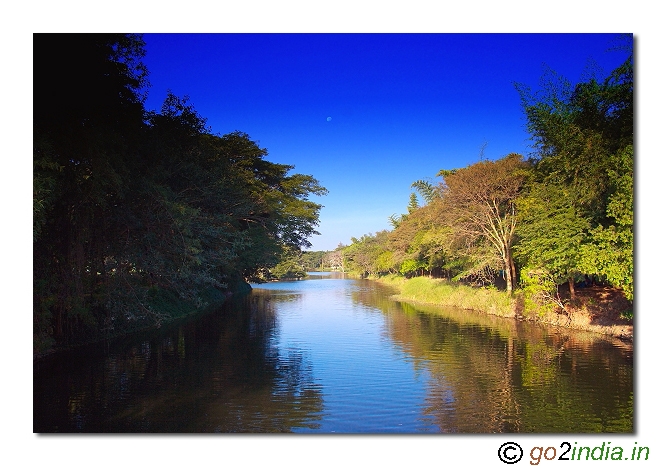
540	292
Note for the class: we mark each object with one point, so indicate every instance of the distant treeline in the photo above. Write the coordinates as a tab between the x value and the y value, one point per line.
564	215
140	216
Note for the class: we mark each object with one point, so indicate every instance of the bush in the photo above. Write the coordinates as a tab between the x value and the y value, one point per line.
540	293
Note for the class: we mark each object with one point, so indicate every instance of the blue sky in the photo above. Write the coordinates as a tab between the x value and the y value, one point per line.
401	106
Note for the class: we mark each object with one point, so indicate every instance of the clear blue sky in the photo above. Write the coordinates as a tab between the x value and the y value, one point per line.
401	106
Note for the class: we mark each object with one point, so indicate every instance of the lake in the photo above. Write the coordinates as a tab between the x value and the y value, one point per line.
330	354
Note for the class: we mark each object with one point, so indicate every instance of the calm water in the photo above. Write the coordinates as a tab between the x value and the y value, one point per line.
330	354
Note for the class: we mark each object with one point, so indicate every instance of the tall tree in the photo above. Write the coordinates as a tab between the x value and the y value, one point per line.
133	207
479	203
423	239
87	123
583	137
551	232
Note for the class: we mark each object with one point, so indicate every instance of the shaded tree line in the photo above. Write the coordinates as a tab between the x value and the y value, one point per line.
140	215
560	216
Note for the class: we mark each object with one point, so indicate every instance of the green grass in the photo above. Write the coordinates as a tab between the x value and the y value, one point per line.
444	293
444	296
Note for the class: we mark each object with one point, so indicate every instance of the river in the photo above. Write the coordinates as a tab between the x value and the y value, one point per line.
335	355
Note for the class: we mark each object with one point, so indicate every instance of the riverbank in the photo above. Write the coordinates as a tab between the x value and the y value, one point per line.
596	309
163	308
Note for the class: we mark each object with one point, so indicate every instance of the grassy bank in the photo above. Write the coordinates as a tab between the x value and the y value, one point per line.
442	292
598	310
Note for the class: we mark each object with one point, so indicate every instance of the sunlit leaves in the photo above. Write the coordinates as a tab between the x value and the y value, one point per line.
551	230
584	179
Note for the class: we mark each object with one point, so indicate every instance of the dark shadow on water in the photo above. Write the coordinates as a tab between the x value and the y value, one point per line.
220	373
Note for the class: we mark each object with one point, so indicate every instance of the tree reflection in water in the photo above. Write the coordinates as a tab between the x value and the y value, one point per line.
491	374
221	373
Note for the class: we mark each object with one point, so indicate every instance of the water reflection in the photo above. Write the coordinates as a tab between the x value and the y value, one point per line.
221	373
498	375
330	354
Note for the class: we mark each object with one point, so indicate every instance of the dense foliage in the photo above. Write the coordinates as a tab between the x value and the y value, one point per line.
138	213
577	215
565	215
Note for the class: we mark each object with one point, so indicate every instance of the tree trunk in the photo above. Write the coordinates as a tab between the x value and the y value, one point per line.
572	289
508	277
509	271
514	278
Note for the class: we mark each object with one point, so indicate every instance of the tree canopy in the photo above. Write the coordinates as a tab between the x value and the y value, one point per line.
479	202
583	139
133	209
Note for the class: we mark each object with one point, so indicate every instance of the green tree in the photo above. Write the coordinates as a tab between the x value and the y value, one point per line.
423	239
552	233
413	203
426	190
610	253
290	266
583	137
313	260
365	255
133	209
